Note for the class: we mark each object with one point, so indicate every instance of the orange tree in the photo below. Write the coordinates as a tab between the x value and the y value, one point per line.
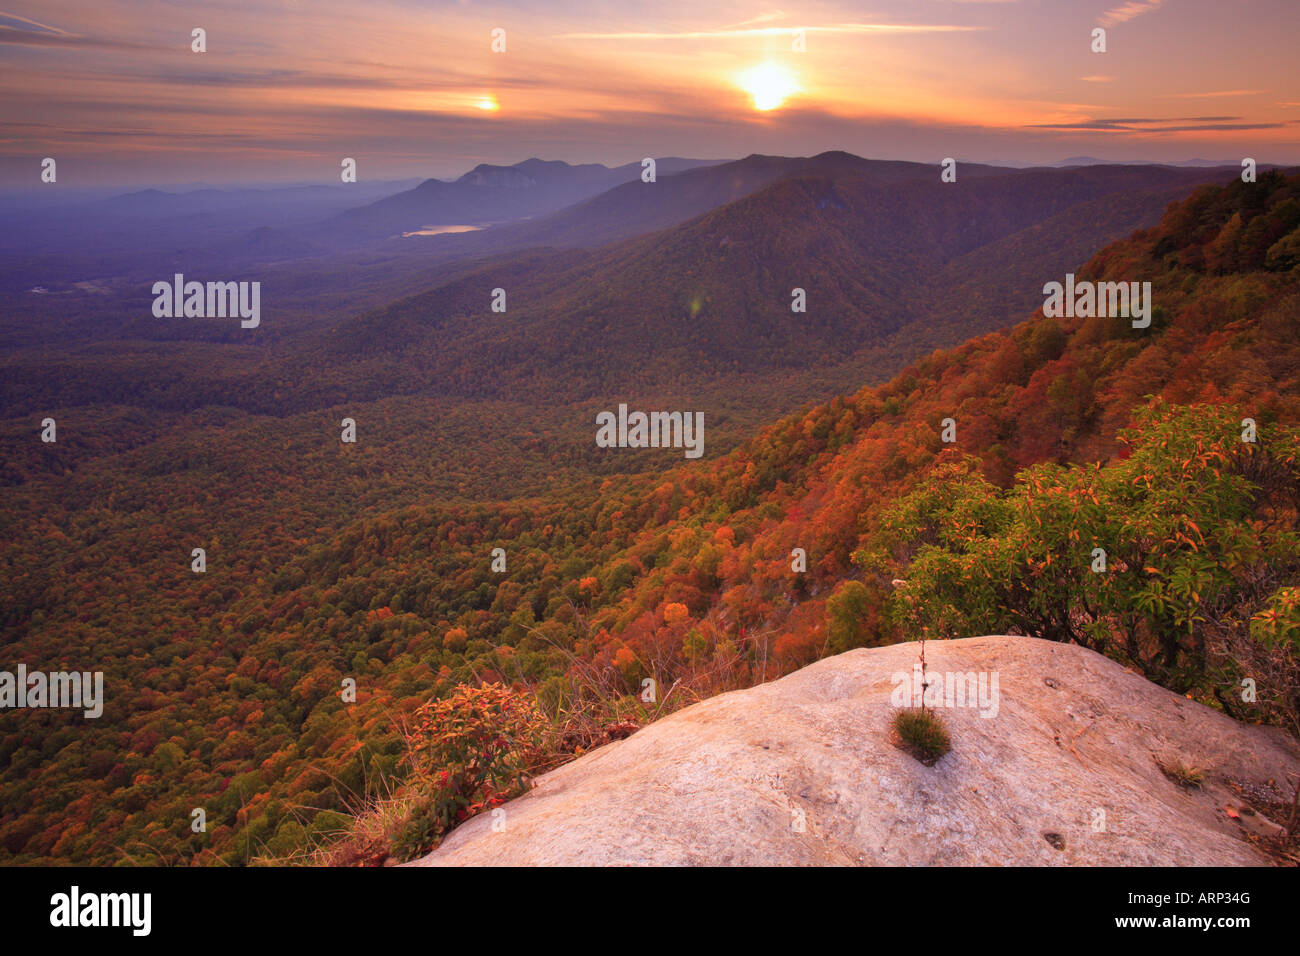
469	752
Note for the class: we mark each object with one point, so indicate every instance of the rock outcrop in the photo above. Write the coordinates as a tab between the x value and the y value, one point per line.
1065	770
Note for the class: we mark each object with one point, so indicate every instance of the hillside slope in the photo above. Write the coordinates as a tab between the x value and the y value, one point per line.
693	307
802	772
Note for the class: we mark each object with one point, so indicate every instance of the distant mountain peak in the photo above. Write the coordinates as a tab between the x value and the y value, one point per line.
533	163
511	177
837	154
529	172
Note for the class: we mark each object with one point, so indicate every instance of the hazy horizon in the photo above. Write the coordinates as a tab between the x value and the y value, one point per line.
125	187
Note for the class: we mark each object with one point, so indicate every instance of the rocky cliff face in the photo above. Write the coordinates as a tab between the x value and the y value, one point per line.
1057	762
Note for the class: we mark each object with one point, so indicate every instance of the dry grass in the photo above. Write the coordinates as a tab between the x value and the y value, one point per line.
1185	775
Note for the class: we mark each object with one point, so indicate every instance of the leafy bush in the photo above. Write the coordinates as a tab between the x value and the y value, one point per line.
1199	530
469	752
848	613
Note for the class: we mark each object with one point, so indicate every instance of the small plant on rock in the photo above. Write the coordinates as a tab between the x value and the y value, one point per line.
923	735
922	732
1185	775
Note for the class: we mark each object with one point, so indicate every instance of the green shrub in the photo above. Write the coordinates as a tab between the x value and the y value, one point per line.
847	616
923	734
1169	558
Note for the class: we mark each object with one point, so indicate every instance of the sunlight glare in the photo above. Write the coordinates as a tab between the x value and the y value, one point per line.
768	85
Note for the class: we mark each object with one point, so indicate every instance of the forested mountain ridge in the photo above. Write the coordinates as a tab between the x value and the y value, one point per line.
700	283
487	194
707	299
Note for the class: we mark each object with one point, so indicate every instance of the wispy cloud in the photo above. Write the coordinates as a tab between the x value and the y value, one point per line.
1178	124
12	20
1196	96
13	37
842	28
1096	79
23	31
1127	11
761	18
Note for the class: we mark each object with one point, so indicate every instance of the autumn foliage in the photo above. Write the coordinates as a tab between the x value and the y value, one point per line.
467	753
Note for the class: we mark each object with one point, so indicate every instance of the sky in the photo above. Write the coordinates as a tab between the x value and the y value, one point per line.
287	88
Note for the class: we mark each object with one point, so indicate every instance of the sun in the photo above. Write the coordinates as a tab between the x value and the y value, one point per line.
768	85
488	104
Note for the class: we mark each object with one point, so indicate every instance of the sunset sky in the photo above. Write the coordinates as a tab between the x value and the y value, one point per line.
287	88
